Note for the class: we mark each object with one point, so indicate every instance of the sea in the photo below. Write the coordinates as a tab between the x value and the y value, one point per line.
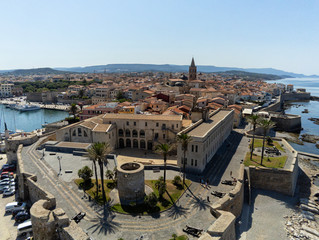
30	120
312	86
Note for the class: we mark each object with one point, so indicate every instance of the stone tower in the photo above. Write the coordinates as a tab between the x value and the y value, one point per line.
192	71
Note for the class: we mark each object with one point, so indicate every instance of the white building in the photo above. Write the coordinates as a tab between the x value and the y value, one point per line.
6	89
206	138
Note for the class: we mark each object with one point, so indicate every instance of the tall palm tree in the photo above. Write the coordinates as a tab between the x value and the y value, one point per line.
184	139
164	149
97	152
266	125
73	110
253	119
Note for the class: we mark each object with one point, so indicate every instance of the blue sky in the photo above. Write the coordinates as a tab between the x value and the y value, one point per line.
282	34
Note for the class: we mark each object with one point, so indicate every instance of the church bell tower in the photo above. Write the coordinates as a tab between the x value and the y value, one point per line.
192	71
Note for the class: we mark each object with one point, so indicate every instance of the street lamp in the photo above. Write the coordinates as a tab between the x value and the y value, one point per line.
59	159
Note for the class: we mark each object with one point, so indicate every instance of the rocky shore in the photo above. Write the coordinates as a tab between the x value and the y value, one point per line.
315	120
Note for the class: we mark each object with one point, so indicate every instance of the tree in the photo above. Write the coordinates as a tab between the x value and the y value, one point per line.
109	174
161	186
253	119
266	125
184	139
73	110
97	152
85	173
164	149
177	180
151	200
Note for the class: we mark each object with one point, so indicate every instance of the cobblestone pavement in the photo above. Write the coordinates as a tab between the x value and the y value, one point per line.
191	209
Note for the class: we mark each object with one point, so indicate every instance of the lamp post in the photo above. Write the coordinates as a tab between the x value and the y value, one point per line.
59	159
136	191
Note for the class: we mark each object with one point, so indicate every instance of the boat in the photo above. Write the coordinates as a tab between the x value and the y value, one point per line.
305	111
27	107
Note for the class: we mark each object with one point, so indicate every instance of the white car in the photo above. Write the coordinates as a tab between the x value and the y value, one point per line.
15	205
6	186
9	192
7	180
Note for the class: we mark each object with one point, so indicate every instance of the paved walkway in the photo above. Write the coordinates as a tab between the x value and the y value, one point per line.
192	208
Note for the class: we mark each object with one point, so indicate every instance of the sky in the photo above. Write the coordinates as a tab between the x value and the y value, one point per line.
281	34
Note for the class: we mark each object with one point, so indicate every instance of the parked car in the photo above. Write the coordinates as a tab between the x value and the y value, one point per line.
7	187
7	180
6	175
9	192
14	206
22	216
9	168
24	228
16	211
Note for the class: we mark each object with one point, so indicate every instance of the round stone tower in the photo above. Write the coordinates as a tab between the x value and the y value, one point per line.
130	182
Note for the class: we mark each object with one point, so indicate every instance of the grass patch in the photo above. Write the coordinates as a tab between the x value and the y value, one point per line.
259	143
272	162
181	237
108	186
171	195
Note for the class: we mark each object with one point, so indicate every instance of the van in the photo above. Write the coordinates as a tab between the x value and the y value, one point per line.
24	228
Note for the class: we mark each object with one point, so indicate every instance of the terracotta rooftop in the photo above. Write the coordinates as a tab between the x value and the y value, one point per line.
141	117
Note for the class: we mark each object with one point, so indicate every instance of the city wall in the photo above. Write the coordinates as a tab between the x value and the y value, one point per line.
295	96
279	180
226	210
48	222
287	122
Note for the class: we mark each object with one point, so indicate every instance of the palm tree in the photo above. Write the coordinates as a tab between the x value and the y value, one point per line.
266	125
253	119
97	152
164	149
184	139
73	110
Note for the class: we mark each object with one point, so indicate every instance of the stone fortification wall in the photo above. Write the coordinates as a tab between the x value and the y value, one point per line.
288	122
226	210
279	180
48	222
276	107
295	96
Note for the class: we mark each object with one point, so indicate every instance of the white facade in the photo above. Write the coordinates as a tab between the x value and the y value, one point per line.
6	89
206	139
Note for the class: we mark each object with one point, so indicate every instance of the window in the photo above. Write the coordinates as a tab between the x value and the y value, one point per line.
134	133
145	124
79	132
164	136
156	135
127	123
74	133
134	123
196	148
121	133
172	126
163	126
142	133
192	148
195	163
157	124
192	162
127	133
176	125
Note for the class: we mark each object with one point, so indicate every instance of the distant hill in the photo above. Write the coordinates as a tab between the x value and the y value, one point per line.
35	71
118	68
176	68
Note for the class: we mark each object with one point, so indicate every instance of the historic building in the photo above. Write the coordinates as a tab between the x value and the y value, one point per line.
207	135
124	130
192	74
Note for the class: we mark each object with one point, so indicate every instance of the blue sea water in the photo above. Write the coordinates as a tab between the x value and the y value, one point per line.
312	86
28	121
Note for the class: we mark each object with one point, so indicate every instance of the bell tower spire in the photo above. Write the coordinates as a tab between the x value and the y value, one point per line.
192	71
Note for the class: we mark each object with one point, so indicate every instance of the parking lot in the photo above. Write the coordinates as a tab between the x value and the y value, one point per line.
8	226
